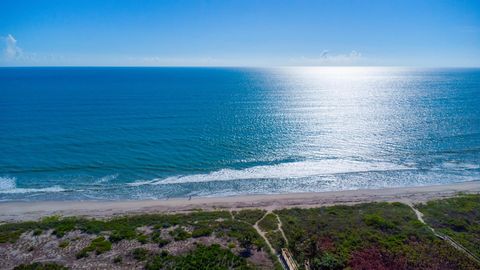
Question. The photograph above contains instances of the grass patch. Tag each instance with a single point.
(244, 233)
(143, 239)
(63, 244)
(180, 234)
(378, 222)
(123, 234)
(40, 266)
(140, 254)
(276, 239)
(268, 223)
(99, 245)
(203, 257)
(157, 238)
(118, 259)
(202, 231)
(250, 216)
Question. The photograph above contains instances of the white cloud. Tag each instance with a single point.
(12, 51)
(327, 58)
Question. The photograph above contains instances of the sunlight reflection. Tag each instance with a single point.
(348, 110)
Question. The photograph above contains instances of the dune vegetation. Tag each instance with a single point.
(362, 236)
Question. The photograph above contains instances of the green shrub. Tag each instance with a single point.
(268, 223)
(251, 216)
(246, 235)
(180, 234)
(378, 222)
(204, 231)
(140, 254)
(328, 261)
(99, 245)
(276, 239)
(143, 239)
(9, 236)
(203, 257)
(118, 235)
(157, 238)
(40, 266)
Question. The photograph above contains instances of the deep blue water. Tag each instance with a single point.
(142, 133)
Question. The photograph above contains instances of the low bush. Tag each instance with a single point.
(203, 257)
(180, 234)
(99, 245)
(250, 216)
(204, 231)
(40, 266)
(268, 223)
(118, 259)
(143, 239)
(140, 254)
(63, 244)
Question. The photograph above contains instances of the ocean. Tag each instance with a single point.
(101, 133)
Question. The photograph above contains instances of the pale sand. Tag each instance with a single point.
(17, 211)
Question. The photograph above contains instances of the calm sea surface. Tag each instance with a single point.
(144, 133)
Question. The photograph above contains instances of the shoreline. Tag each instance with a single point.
(23, 211)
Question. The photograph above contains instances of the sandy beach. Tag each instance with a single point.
(20, 211)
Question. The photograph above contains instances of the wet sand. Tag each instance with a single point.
(20, 211)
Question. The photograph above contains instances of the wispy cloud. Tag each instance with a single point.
(13, 55)
(11, 51)
(326, 58)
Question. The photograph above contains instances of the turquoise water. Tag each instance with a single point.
(143, 133)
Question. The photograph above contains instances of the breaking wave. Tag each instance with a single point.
(289, 170)
(8, 185)
(106, 179)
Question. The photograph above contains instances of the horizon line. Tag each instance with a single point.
(232, 66)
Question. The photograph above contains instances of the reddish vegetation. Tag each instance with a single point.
(374, 258)
(325, 244)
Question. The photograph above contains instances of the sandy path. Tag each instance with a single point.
(280, 228)
(446, 238)
(263, 234)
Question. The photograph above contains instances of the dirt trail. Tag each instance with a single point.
(446, 238)
(262, 234)
(280, 228)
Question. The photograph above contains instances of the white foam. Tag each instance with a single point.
(460, 165)
(7, 183)
(106, 178)
(33, 190)
(290, 170)
(8, 186)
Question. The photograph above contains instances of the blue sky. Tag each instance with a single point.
(240, 33)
